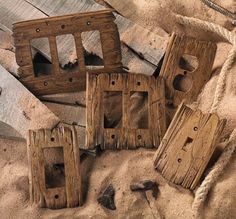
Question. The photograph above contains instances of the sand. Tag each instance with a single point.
(121, 168)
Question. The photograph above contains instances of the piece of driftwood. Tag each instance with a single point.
(187, 146)
(186, 68)
(59, 81)
(75, 115)
(7, 132)
(54, 183)
(124, 135)
(20, 109)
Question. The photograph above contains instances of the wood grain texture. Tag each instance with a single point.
(151, 54)
(192, 79)
(58, 197)
(124, 137)
(20, 109)
(187, 146)
(76, 24)
(68, 114)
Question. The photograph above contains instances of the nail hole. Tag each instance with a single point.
(63, 26)
(195, 128)
(179, 160)
(138, 83)
(112, 136)
(4, 149)
(52, 139)
(70, 79)
(185, 72)
(56, 196)
(113, 82)
(37, 30)
(139, 137)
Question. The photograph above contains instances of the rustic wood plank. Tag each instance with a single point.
(125, 135)
(20, 109)
(75, 98)
(187, 146)
(59, 81)
(69, 114)
(186, 68)
(7, 132)
(70, 194)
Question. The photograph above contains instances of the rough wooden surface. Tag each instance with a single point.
(183, 80)
(187, 146)
(125, 27)
(59, 81)
(69, 195)
(8, 132)
(124, 137)
(20, 109)
(138, 54)
(68, 114)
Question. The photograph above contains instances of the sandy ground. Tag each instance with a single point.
(121, 168)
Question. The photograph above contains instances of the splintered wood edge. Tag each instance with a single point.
(62, 17)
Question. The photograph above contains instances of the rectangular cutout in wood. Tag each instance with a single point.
(187, 146)
(141, 95)
(41, 67)
(54, 164)
(69, 27)
(93, 59)
(186, 70)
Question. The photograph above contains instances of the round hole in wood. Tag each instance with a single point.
(113, 136)
(179, 160)
(4, 149)
(113, 82)
(188, 62)
(182, 83)
(56, 196)
(37, 30)
(52, 139)
(63, 26)
(138, 83)
(70, 79)
(195, 128)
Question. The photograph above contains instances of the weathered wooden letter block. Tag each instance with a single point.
(122, 87)
(59, 81)
(187, 146)
(54, 161)
(186, 68)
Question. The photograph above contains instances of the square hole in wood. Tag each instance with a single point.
(112, 105)
(138, 110)
(68, 61)
(93, 57)
(41, 63)
(54, 167)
